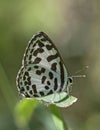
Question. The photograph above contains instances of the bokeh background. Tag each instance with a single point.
(74, 27)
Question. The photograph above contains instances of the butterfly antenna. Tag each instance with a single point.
(86, 67)
(80, 76)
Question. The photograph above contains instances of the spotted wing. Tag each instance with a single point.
(36, 81)
(41, 52)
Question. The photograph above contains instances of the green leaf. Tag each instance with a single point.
(58, 122)
(57, 113)
(24, 110)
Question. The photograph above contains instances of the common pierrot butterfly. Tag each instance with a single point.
(43, 71)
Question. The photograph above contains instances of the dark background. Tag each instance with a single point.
(74, 27)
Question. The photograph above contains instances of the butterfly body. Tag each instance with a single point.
(43, 71)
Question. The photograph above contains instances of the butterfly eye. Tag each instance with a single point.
(70, 81)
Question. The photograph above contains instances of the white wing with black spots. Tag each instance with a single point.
(42, 51)
(36, 81)
(42, 72)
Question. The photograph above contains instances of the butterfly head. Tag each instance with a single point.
(69, 81)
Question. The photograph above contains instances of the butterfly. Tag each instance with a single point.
(43, 71)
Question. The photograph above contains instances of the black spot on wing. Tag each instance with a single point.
(50, 92)
(47, 87)
(37, 60)
(51, 75)
(27, 95)
(45, 37)
(49, 47)
(43, 70)
(36, 67)
(30, 57)
(52, 57)
(48, 83)
(61, 75)
(34, 88)
(40, 34)
(29, 69)
(26, 73)
(43, 79)
(35, 95)
(27, 87)
(39, 72)
(55, 84)
(53, 67)
(34, 45)
(24, 77)
(31, 50)
(40, 44)
(29, 83)
(22, 89)
(29, 78)
(41, 93)
(31, 92)
(25, 83)
(37, 51)
(34, 38)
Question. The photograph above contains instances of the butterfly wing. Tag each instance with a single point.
(41, 52)
(36, 81)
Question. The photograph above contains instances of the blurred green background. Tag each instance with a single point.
(74, 27)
